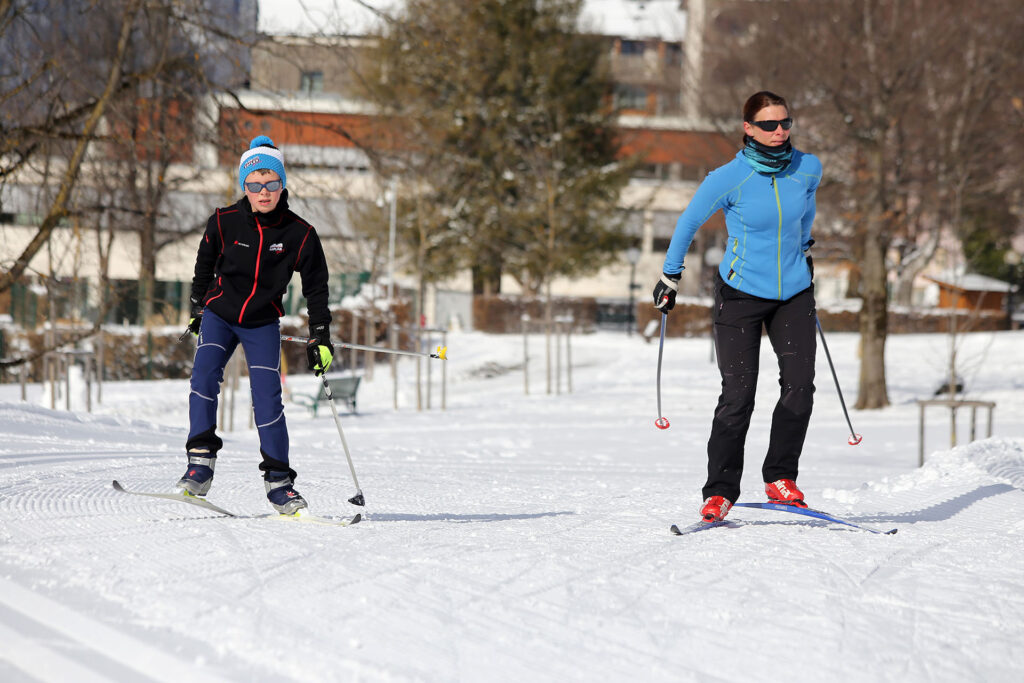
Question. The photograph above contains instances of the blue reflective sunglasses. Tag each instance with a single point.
(272, 186)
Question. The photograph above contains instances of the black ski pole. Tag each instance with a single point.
(854, 437)
(357, 499)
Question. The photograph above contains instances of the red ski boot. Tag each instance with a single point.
(715, 509)
(784, 491)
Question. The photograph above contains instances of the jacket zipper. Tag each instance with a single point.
(778, 255)
(256, 276)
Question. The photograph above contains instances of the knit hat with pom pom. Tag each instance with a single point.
(261, 154)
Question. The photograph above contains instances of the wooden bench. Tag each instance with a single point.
(343, 389)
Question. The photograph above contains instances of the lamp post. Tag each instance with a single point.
(633, 256)
(391, 198)
(1015, 273)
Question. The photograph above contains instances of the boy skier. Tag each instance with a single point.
(245, 261)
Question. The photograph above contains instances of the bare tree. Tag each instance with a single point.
(93, 110)
(128, 75)
(904, 101)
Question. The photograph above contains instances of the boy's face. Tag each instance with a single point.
(263, 201)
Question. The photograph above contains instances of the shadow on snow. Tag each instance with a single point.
(448, 517)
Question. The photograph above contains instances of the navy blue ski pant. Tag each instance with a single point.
(217, 341)
(738, 320)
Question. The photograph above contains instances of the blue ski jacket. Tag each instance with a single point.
(768, 217)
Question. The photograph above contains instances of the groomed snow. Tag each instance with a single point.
(514, 538)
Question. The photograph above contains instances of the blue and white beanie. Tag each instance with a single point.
(261, 154)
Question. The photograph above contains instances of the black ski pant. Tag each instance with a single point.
(738, 320)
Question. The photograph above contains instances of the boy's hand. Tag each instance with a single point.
(319, 350)
(194, 322)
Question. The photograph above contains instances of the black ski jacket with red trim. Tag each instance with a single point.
(246, 260)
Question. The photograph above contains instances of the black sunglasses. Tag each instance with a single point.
(272, 186)
(770, 126)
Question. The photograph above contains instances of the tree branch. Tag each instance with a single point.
(59, 207)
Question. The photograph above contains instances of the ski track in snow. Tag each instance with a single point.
(519, 538)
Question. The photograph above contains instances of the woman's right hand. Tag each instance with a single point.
(665, 292)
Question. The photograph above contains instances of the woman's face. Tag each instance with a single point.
(774, 138)
(263, 200)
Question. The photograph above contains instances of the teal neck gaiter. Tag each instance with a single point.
(765, 159)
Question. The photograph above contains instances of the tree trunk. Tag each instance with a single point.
(873, 317)
(147, 268)
(59, 208)
(486, 279)
(547, 334)
(421, 295)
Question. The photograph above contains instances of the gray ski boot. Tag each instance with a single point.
(282, 494)
(199, 476)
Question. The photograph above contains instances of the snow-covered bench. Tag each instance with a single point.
(343, 389)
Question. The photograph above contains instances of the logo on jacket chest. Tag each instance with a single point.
(276, 248)
(242, 244)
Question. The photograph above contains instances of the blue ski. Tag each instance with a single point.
(697, 526)
(809, 512)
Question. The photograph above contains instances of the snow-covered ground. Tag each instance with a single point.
(514, 538)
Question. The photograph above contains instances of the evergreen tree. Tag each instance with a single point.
(507, 135)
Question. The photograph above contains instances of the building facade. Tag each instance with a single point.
(300, 92)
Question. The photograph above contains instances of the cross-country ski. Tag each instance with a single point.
(698, 526)
(810, 512)
(778, 507)
(176, 497)
(303, 515)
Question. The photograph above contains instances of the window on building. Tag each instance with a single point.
(673, 54)
(669, 102)
(312, 81)
(690, 172)
(647, 172)
(631, 222)
(630, 97)
(631, 47)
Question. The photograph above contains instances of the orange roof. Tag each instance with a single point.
(691, 148)
(305, 128)
(658, 146)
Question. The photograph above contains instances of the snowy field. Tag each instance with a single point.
(522, 538)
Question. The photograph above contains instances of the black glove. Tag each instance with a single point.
(665, 292)
(319, 349)
(807, 255)
(195, 321)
